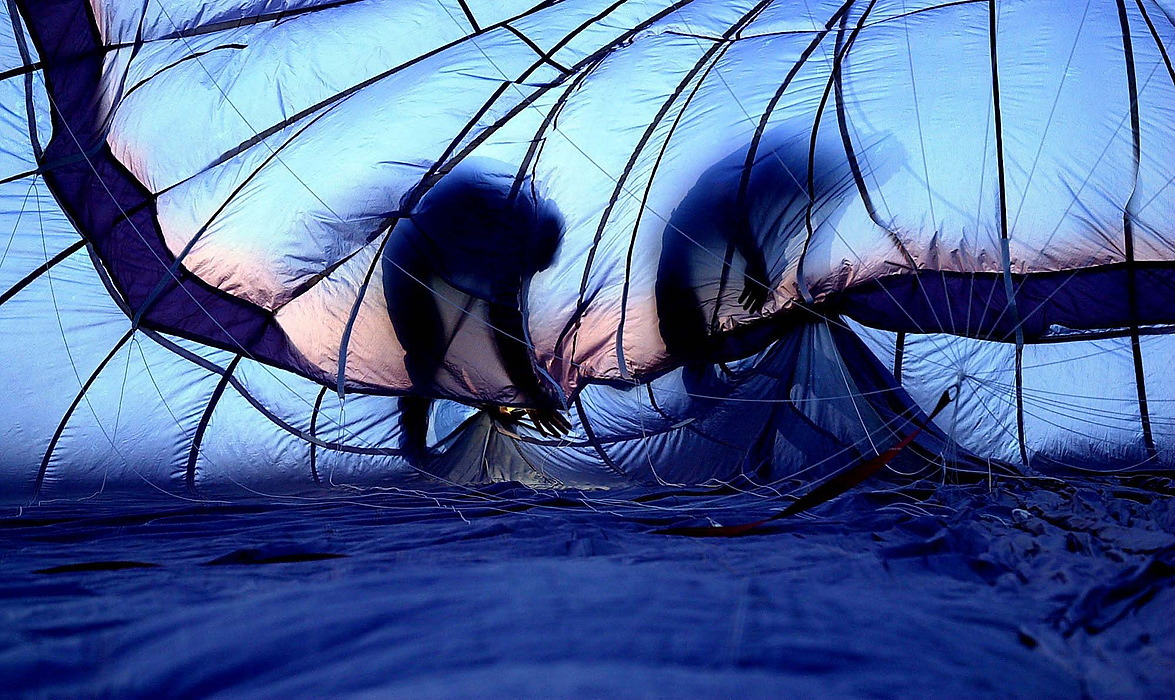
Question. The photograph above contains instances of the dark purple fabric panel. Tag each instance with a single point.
(112, 209)
(975, 305)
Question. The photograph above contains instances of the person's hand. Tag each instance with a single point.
(549, 421)
(755, 288)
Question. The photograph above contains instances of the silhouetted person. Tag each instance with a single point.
(739, 222)
(696, 262)
(688, 271)
(485, 234)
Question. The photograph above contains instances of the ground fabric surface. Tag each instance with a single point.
(1041, 591)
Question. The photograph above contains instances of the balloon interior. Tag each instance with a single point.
(257, 247)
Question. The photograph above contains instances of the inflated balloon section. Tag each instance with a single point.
(741, 244)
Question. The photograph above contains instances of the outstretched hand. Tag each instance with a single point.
(549, 421)
(755, 289)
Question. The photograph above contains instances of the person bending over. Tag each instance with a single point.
(485, 232)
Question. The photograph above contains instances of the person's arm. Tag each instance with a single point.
(509, 336)
(756, 286)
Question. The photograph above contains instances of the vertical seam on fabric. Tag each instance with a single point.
(1005, 250)
(1020, 405)
(198, 438)
(838, 61)
(1128, 231)
(855, 167)
(73, 407)
(899, 355)
(594, 441)
(25, 59)
(469, 16)
(761, 128)
(313, 433)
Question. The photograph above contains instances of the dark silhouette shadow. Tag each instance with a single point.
(485, 233)
(727, 243)
(690, 273)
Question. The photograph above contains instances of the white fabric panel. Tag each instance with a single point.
(924, 135)
(1158, 356)
(983, 417)
(56, 332)
(33, 231)
(1049, 230)
(135, 427)
(242, 451)
(246, 90)
(1081, 403)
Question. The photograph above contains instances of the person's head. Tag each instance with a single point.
(485, 197)
(545, 224)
